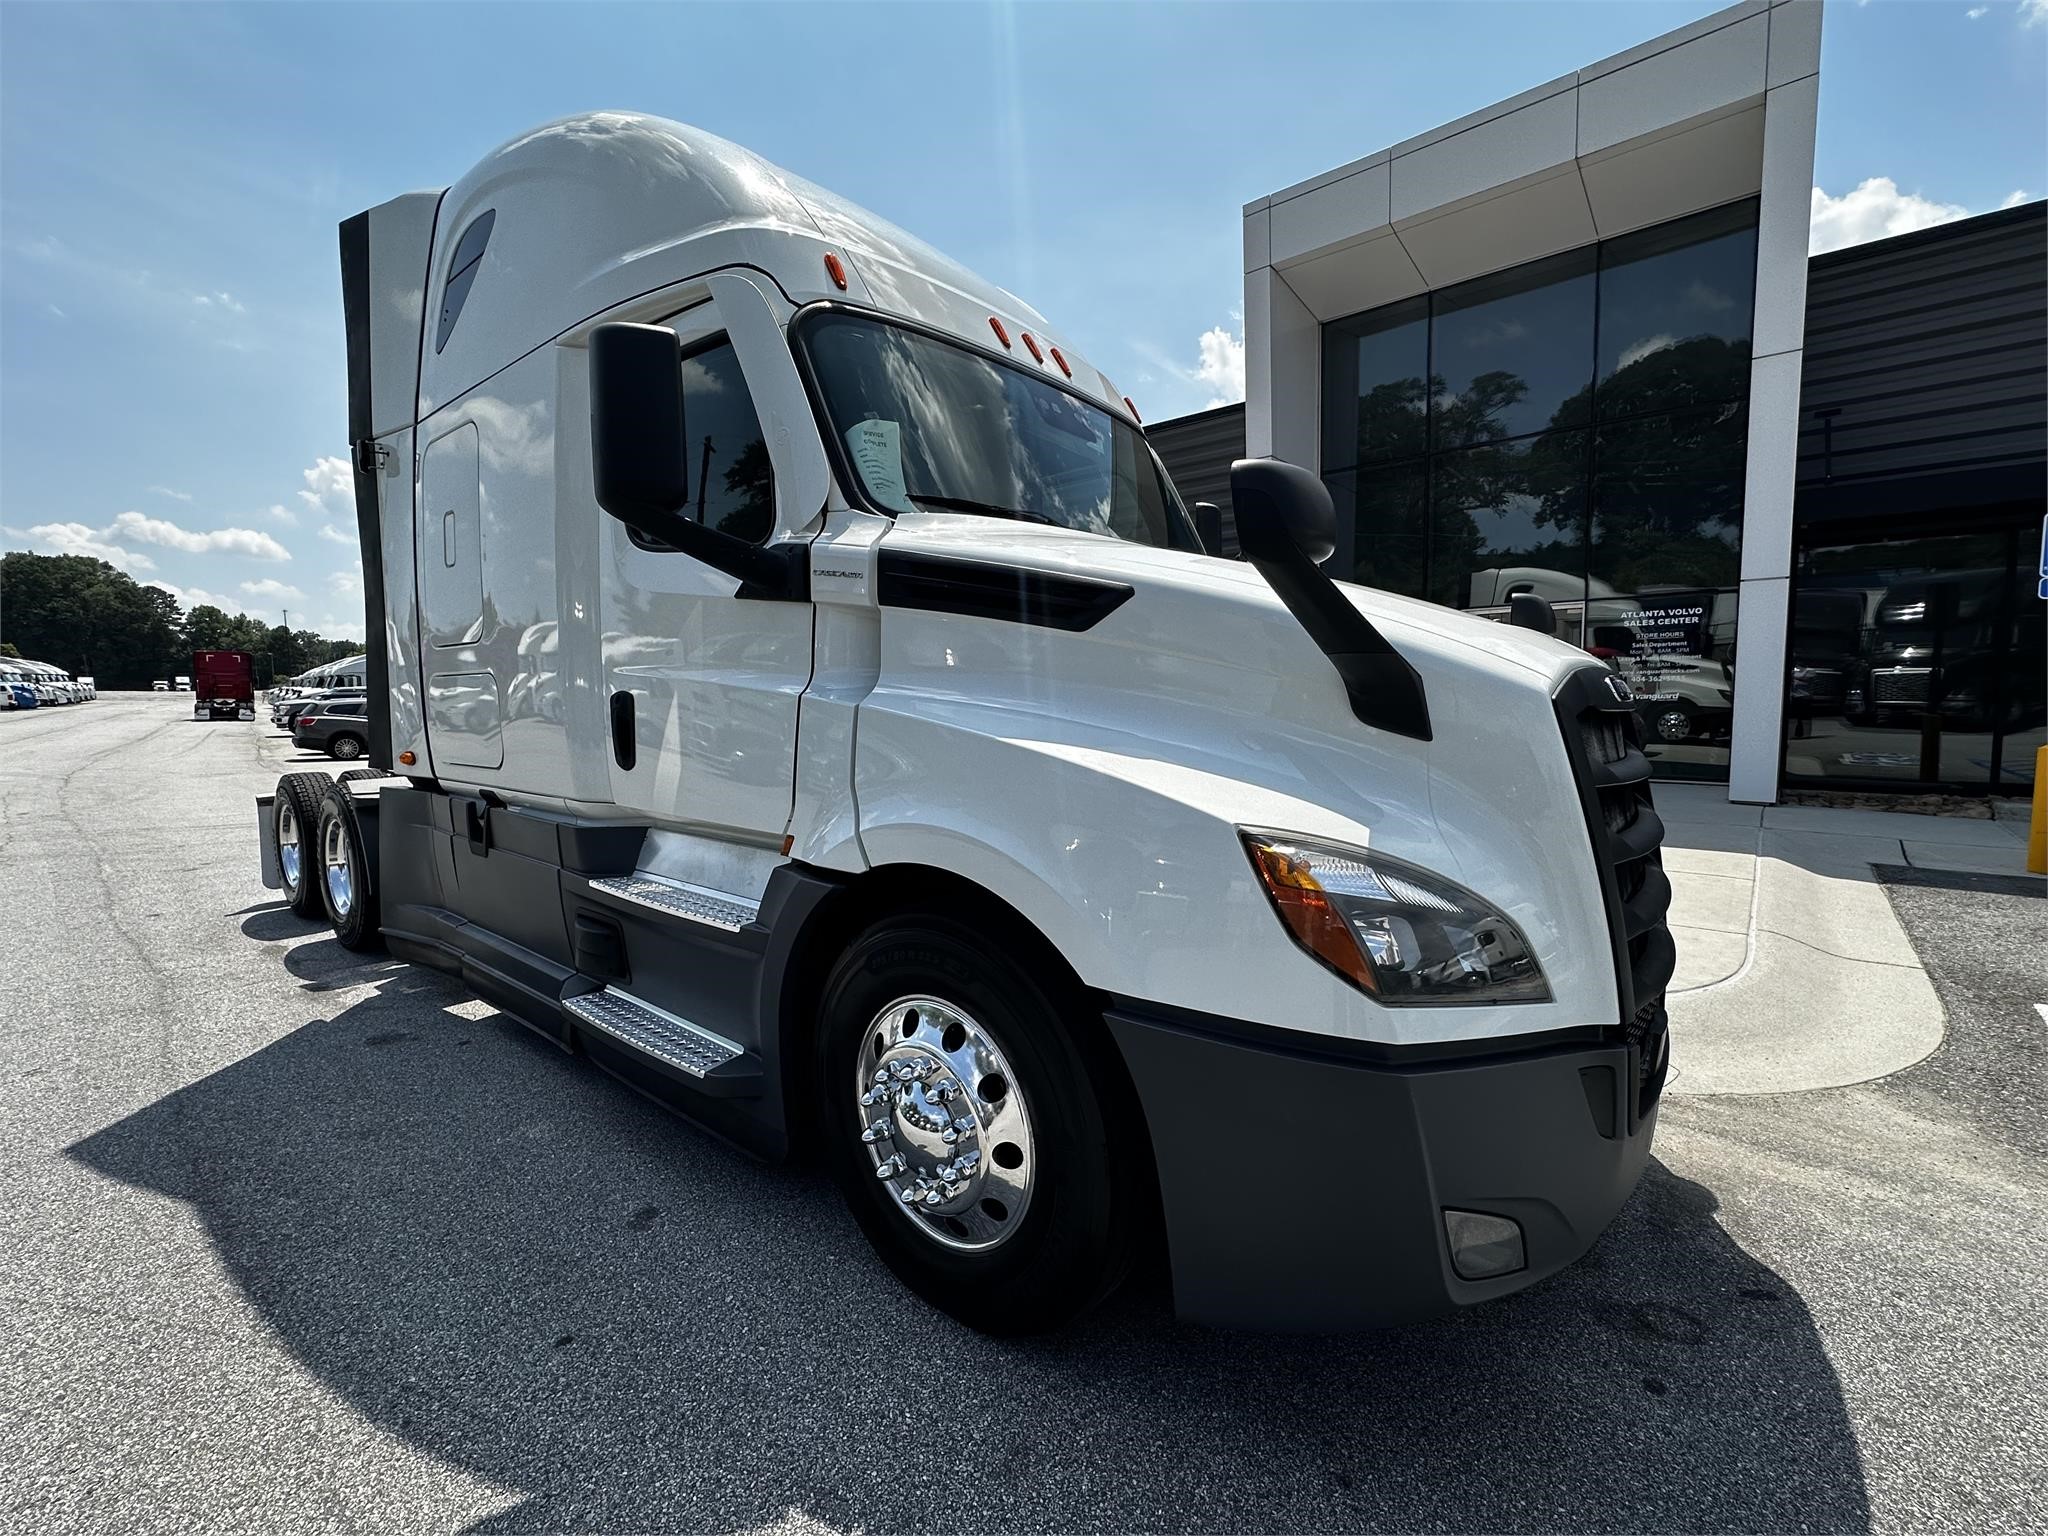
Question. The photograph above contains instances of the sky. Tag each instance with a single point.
(172, 376)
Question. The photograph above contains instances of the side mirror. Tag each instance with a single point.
(636, 422)
(1287, 527)
(640, 467)
(1209, 527)
(1282, 507)
(1528, 611)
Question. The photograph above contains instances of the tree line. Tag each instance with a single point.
(83, 615)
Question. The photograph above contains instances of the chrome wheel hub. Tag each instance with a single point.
(341, 885)
(944, 1123)
(288, 855)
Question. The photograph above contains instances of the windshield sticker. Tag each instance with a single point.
(877, 449)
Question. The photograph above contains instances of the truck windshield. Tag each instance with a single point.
(930, 425)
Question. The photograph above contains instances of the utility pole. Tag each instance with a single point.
(287, 620)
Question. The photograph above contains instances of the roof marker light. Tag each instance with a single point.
(997, 326)
(1032, 347)
(1133, 410)
(837, 270)
(1062, 362)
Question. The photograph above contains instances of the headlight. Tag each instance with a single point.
(1400, 933)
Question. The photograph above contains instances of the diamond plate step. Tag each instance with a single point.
(685, 901)
(654, 1032)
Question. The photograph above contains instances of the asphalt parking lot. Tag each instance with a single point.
(299, 1240)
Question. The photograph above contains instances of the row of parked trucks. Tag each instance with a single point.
(795, 687)
(32, 684)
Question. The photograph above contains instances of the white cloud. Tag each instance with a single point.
(284, 515)
(165, 490)
(159, 530)
(197, 597)
(2014, 198)
(1221, 366)
(1978, 12)
(77, 539)
(2034, 13)
(341, 629)
(346, 583)
(1649, 346)
(334, 535)
(1875, 209)
(330, 487)
(270, 586)
(225, 302)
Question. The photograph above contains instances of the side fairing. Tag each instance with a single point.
(1097, 781)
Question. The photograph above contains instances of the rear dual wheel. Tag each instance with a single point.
(347, 890)
(294, 812)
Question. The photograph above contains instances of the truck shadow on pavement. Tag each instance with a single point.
(504, 1258)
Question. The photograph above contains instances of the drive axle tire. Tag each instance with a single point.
(348, 890)
(979, 1126)
(293, 814)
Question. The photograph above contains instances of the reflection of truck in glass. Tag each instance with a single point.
(223, 685)
(1682, 696)
(804, 695)
(1939, 644)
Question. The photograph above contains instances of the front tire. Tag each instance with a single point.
(1030, 1214)
(293, 814)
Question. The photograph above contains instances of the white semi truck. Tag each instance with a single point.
(796, 687)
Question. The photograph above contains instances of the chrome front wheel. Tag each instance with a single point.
(945, 1123)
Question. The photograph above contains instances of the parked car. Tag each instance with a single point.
(339, 727)
(161, 685)
(287, 715)
(18, 692)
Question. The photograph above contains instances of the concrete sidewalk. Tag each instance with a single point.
(1793, 971)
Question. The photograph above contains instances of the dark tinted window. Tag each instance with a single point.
(1675, 306)
(1667, 500)
(1375, 399)
(731, 486)
(1514, 510)
(1382, 524)
(462, 270)
(1513, 353)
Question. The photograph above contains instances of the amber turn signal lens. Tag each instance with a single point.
(1317, 926)
(836, 271)
(407, 758)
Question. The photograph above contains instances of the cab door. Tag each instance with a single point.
(702, 685)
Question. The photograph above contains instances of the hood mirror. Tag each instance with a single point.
(1287, 527)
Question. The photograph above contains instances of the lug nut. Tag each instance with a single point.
(876, 1131)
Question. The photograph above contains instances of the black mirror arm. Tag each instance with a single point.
(773, 571)
(1385, 690)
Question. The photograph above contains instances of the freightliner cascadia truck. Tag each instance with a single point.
(797, 689)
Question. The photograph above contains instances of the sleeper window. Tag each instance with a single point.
(462, 270)
(730, 485)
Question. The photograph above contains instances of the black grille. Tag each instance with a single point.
(1604, 739)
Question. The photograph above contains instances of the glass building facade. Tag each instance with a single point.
(1572, 427)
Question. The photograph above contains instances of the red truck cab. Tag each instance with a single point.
(223, 685)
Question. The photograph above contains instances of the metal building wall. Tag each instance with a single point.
(1197, 452)
(1929, 352)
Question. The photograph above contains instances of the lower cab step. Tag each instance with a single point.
(690, 1054)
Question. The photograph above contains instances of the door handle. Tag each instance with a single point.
(625, 734)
